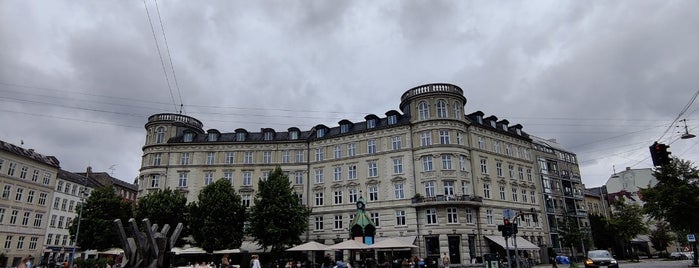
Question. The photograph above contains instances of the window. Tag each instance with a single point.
(469, 215)
(230, 158)
(23, 172)
(188, 137)
(184, 158)
(446, 162)
(246, 199)
(11, 170)
(344, 128)
(156, 159)
(337, 173)
(396, 143)
(210, 158)
(371, 146)
(49, 239)
(298, 177)
(371, 123)
(267, 157)
(351, 149)
(489, 216)
(1, 162)
(320, 132)
(247, 157)
(514, 195)
(511, 171)
(496, 146)
(319, 175)
(338, 222)
(60, 221)
(293, 135)
(30, 196)
(160, 135)
(373, 193)
(429, 188)
(42, 198)
(423, 110)
(444, 137)
(65, 240)
(247, 178)
(484, 166)
(498, 168)
(464, 187)
(427, 163)
(529, 174)
(71, 205)
(208, 178)
(18, 194)
(397, 165)
(398, 190)
(524, 196)
(352, 172)
(35, 176)
(319, 198)
(20, 242)
(32, 243)
(337, 152)
(372, 169)
(400, 217)
(228, 176)
(240, 136)
(319, 154)
(2, 215)
(8, 242)
(508, 150)
(337, 197)
(47, 178)
(38, 218)
(425, 138)
(520, 170)
(502, 192)
(213, 136)
(392, 119)
(532, 197)
(457, 110)
(56, 202)
(449, 188)
(459, 138)
(452, 215)
(481, 143)
(299, 156)
(269, 136)
(182, 182)
(319, 223)
(441, 109)
(375, 218)
(352, 193)
(486, 190)
(431, 215)
(154, 181)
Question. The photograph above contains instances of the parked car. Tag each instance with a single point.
(681, 255)
(600, 258)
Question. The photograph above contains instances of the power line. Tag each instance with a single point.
(167, 48)
(162, 63)
(689, 104)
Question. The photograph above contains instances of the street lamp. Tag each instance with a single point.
(77, 230)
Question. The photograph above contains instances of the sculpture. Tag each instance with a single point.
(146, 249)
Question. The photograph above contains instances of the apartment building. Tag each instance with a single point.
(27, 179)
(429, 173)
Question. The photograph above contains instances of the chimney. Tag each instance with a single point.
(89, 170)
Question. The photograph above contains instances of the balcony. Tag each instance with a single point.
(447, 200)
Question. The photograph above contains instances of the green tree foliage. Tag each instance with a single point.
(570, 233)
(98, 214)
(278, 218)
(163, 207)
(661, 237)
(627, 222)
(675, 197)
(602, 232)
(216, 220)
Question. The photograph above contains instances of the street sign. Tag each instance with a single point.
(691, 238)
(508, 213)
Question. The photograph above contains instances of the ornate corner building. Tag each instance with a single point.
(430, 173)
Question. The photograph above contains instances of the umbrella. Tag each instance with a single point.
(227, 251)
(349, 244)
(188, 251)
(310, 246)
(391, 243)
(112, 251)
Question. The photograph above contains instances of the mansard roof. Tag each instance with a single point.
(511, 130)
(29, 153)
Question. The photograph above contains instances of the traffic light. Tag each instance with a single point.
(535, 216)
(506, 228)
(659, 154)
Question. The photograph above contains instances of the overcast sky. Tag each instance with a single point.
(78, 79)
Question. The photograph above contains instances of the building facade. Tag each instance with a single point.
(27, 179)
(429, 173)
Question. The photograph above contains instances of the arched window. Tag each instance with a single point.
(423, 110)
(160, 135)
(457, 110)
(441, 109)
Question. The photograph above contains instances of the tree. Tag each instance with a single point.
(601, 232)
(216, 220)
(98, 214)
(570, 233)
(661, 236)
(675, 197)
(627, 222)
(278, 218)
(163, 207)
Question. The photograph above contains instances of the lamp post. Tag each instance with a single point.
(77, 230)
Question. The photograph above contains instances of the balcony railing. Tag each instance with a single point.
(448, 199)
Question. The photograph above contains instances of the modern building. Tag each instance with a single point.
(429, 173)
(27, 179)
(562, 189)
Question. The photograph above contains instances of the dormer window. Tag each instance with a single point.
(268, 136)
(320, 132)
(213, 136)
(240, 136)
(188, 136)
(371, 123)
(504, 127)
(294, 135)
(392, 119)
(519, 131)
(493, 124)
(479, 119)
(344, 128)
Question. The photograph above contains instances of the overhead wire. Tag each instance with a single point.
(169, 56)
(162, 63)
(689, 104)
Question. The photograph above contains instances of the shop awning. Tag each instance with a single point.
(521, 242)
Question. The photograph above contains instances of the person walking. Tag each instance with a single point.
(445, 260)
(256, 262)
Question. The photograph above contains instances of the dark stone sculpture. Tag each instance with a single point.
(146, 249)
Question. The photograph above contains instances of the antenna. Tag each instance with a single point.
(686, 134)
(112, 168)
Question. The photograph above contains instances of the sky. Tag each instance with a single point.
(78, 79)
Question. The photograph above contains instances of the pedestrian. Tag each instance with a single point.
(256, 262)
(225, 263)
(445, 260)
